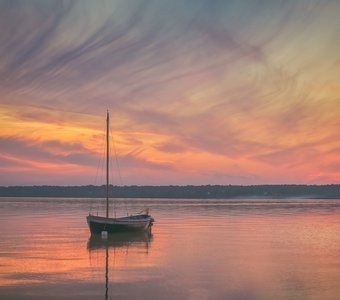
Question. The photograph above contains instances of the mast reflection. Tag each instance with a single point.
(118, 241)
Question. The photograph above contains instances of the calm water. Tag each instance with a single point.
(199, 249)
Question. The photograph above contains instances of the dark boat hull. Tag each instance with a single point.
(113, 225)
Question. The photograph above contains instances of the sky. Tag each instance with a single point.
(199, 92)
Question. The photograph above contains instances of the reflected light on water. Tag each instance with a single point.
(199, 249)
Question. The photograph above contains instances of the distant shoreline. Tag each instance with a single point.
(331, 191)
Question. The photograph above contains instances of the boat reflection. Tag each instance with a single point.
(120, 240)
(127, 240)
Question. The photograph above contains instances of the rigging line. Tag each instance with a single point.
(116, 159)
(118, 169)
(100, 158)
(112, 177)
(102, 162)
(103, 180)
(112, 143)
(98, 166)
(101, 166)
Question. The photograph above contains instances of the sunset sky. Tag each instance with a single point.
(199, 92)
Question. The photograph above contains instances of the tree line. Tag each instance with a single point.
(187, 192)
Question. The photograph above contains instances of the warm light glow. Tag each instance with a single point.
(240, 96)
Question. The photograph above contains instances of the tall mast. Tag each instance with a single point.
(107, 162)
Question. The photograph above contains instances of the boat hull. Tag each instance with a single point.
(113, 225)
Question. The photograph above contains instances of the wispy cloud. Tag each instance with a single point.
(236, 83)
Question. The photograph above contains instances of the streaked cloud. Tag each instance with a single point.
(196, 89)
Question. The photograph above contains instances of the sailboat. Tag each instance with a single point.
(98, 224)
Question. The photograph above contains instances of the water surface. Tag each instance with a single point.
(199, 249)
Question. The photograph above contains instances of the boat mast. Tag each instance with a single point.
(107, 163)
